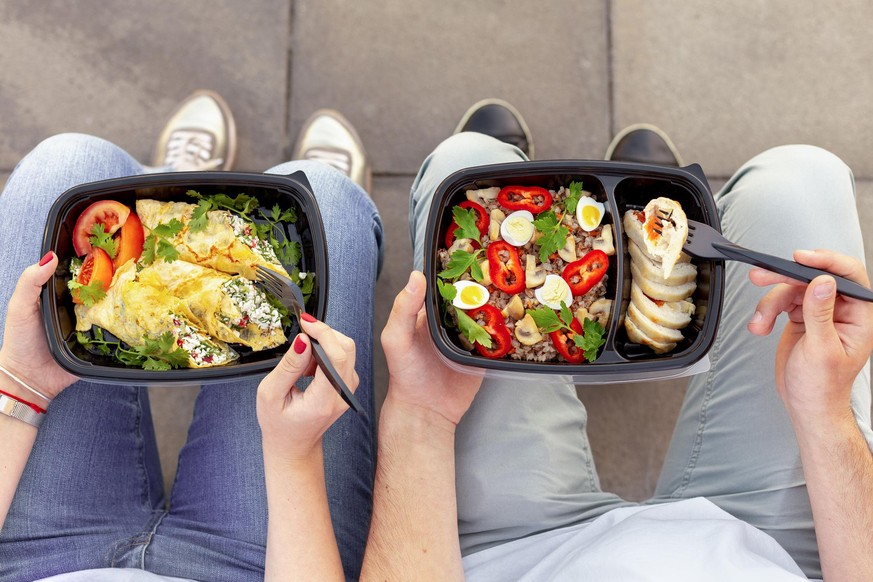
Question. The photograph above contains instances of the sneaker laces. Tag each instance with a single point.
(191, 150)
(336, 158)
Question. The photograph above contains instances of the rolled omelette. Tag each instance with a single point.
(132, 310)
(227, 244)
(229, 308)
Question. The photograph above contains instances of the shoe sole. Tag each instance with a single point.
(515, 112)
(230, 158)
(368, 171)
(654, 129)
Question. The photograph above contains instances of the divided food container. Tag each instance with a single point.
(623, 186)
(292, 191)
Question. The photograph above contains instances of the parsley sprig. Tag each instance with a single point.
(572, 199)
(472, 330)
(554, 234)
(155, 354)
(460, 261)
(589, 341)
(88, 294)
(102, 239)
(157, 245)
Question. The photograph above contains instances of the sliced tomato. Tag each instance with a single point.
(492, 320)
(97, 267)
(482, 221)
(130, 241)
(111, 214)
(504, 267)
(531, 198)
(563, 341)
(587, 272)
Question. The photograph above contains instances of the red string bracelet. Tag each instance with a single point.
(38, 409)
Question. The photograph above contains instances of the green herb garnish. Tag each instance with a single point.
(466, 221)
(447, 291)
(572, 199)
(459, 262)
(88, 294)
(101, 239)
(474, 332)
(554, 234)
(589, 341)
(155, 354)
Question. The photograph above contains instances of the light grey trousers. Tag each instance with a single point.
(524, 464)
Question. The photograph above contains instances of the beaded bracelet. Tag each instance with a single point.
(36, 408)
(25, 384)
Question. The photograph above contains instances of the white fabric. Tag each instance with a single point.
(112, 575)
(688, 540)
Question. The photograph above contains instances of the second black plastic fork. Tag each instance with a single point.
(704, 242)
(291, 296)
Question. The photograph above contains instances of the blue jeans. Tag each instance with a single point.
(92, 493)
(524, 464)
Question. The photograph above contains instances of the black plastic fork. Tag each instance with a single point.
(704, 242)
(291, 296)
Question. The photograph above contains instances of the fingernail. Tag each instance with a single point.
(308, 318)
(299, 345)
(757, 318)
(46, 259)
(412, 284)
(824, 290)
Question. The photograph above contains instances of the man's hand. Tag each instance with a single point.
(827, 339)
(25, 352)
(417, 376)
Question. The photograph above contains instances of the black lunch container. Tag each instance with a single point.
(59, 319)
(623, 186)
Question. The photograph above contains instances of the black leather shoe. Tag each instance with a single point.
(644, 144)
(500, 120)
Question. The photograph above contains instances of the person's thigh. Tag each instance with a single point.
(733, 442)
(523, 461)
(93, 481)
(217, 525)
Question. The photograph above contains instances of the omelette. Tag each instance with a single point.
(227, 244)
(229, 308)
(132, 310)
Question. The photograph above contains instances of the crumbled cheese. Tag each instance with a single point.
(198, 346)
(252, 305)
(247, 235)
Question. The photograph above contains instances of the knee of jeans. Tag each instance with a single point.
(811, 170)
(63, 143)
(467, 143)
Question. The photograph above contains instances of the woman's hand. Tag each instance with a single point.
(25, 352)
(293, 421)
(417, 376)
(828, 337)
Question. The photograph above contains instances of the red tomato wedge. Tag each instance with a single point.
(111, 214)
(130, 241)
(97, 267)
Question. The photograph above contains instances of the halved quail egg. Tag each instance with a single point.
(517, 229)
(589, 213)
(470, 295)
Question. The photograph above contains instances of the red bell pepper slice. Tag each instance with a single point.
(490, 318)
(563, 341)
(531, 198)
(482, 221)
(587, 272)
(504, 267)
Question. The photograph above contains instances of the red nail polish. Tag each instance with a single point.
(299, 345)
(307, 317)
(46, 259)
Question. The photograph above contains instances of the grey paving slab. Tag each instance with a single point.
(729, 79)
(117, 71)
(405, 71)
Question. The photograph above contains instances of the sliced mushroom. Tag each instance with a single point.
(604, 241)
(497, 218)
(568, 253)
(581, 315)
(600, 310)
(537, 235)
(514, 309)
(526, 331)
(486, 272)
(461, 244)
(483, 195)
(534, 275)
